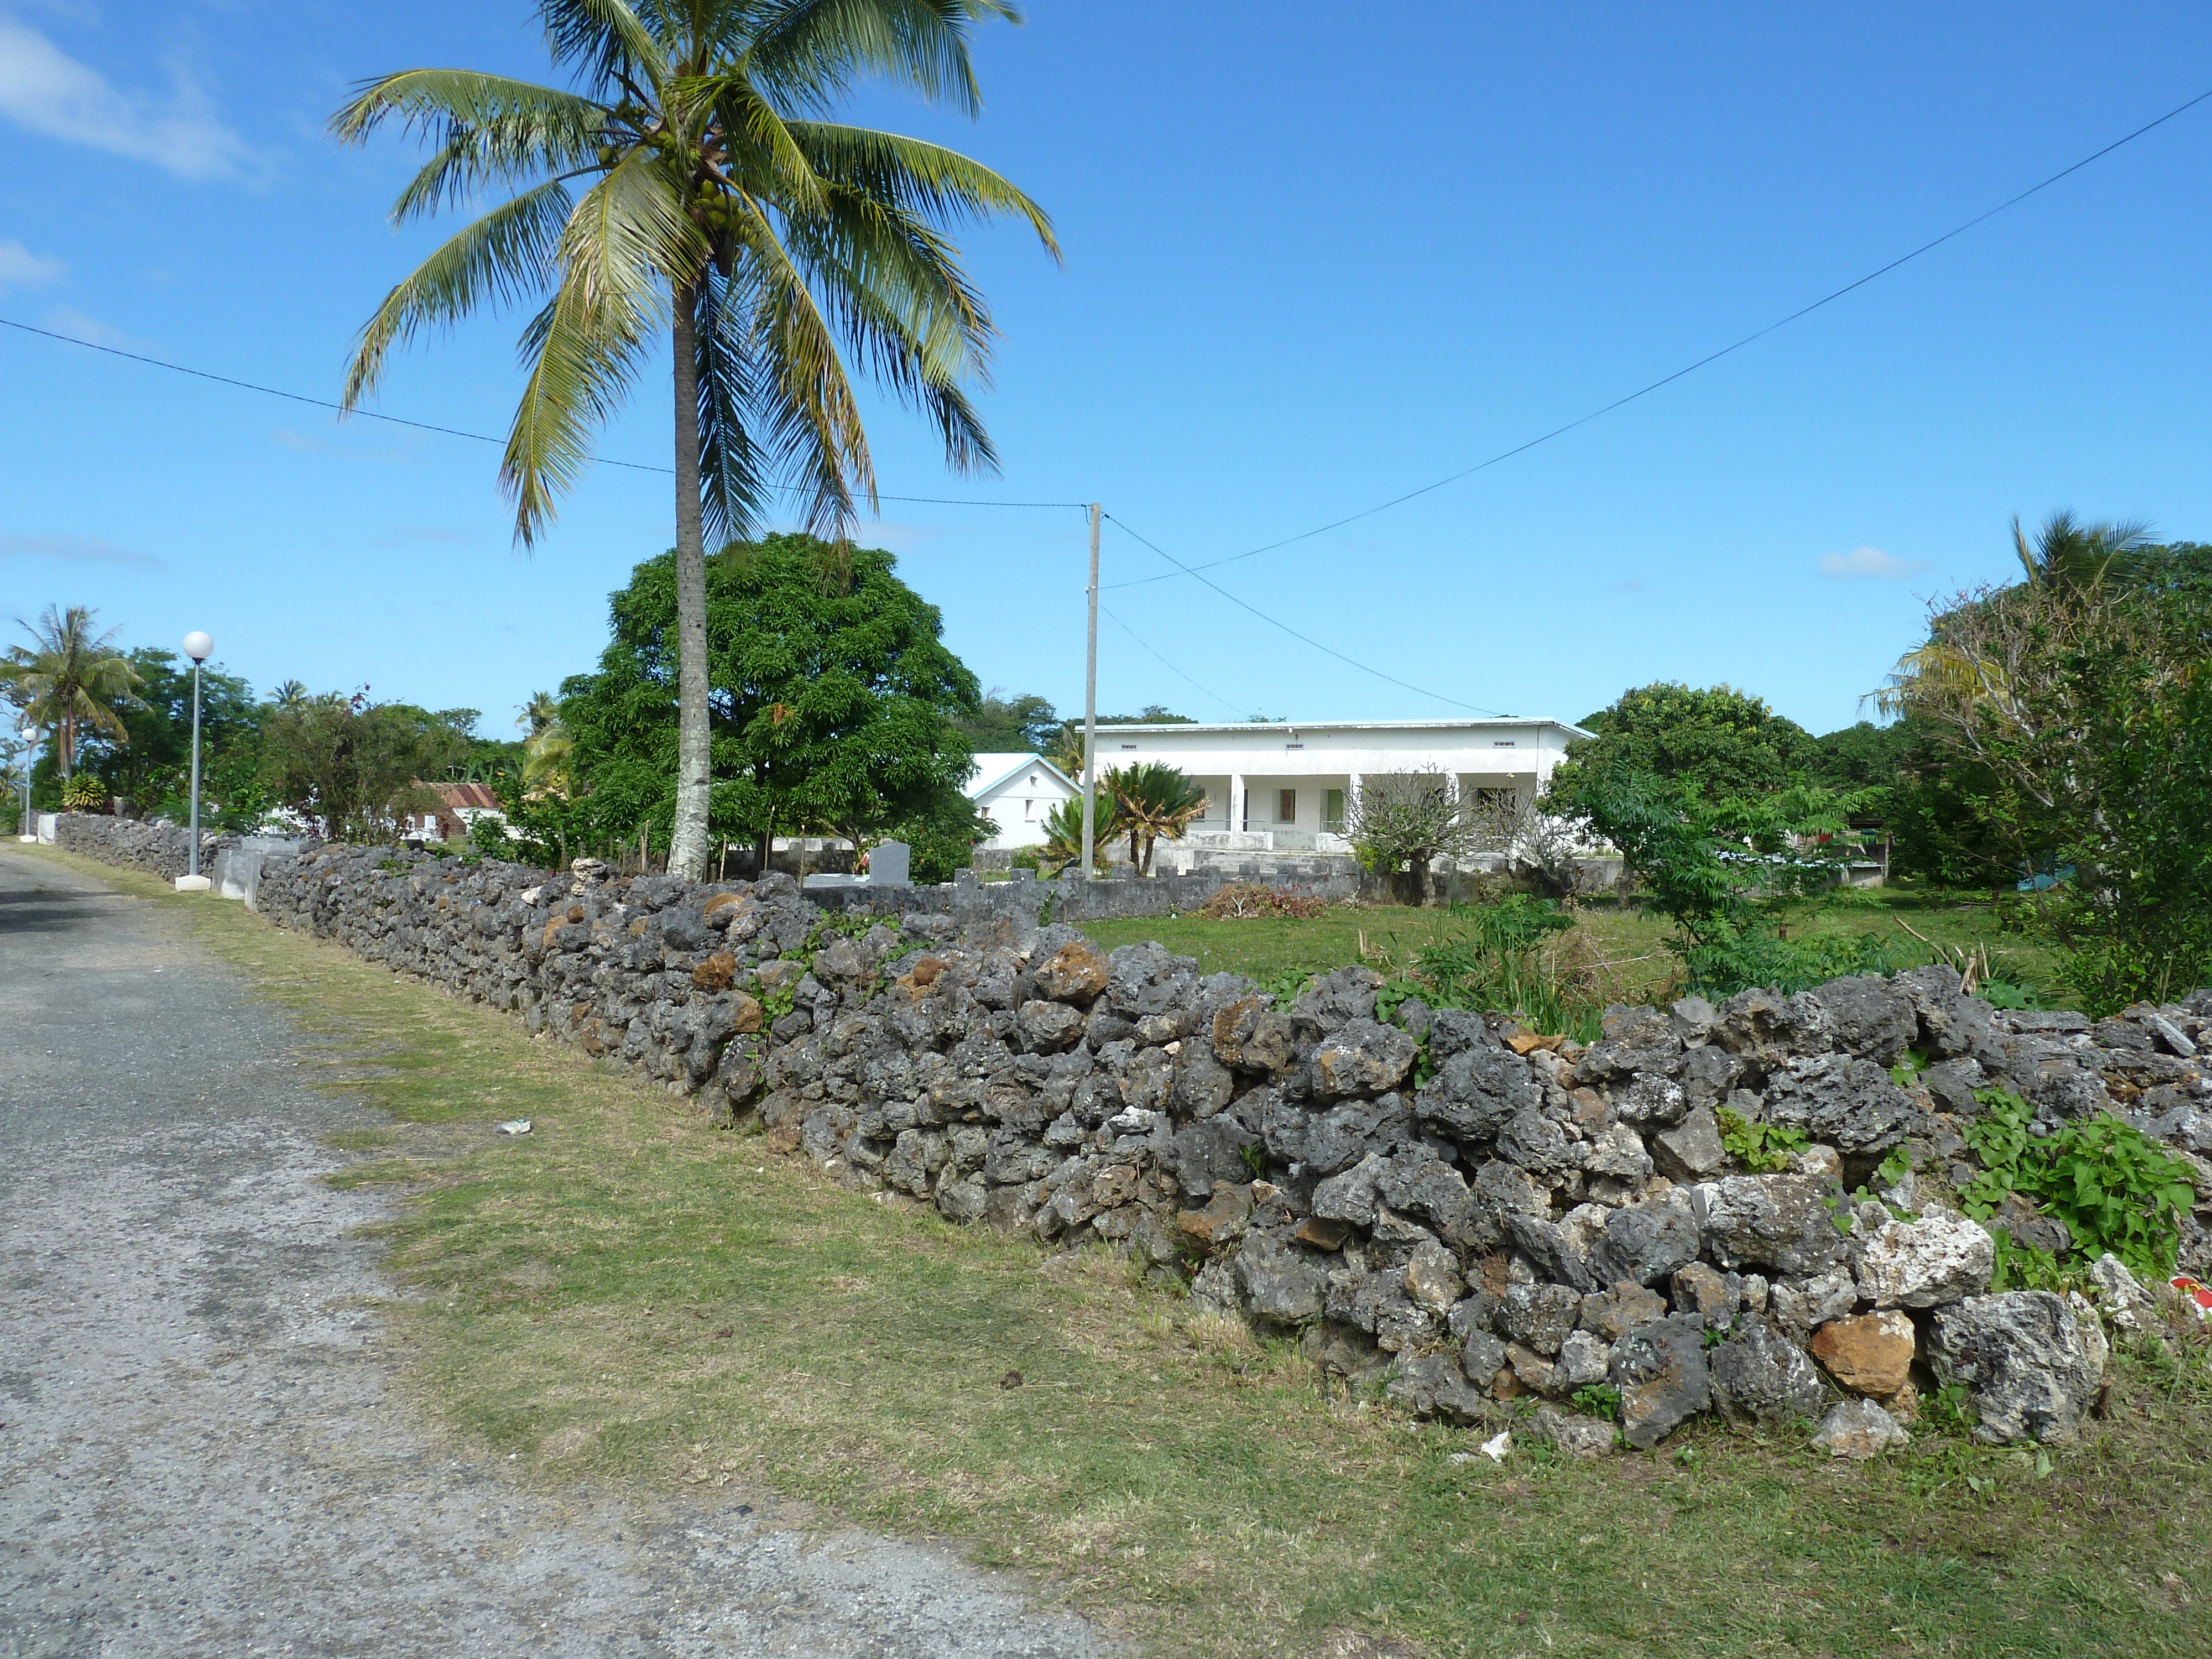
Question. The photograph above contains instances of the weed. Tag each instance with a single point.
(1762, 1148)
(1598, 1400)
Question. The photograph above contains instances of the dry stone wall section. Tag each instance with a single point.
(1482, 1220)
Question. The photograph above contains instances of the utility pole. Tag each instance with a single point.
(198, 646)
(1090, 714)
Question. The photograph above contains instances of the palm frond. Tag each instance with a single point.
(808, 51)
(924, 179)
(491, 129)
(503, 256)
(624, 244)
(608, 41)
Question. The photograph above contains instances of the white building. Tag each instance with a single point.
(1018, 791)
(1287, 788)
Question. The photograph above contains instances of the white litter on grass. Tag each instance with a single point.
(1498, 1445)
(515, 1125)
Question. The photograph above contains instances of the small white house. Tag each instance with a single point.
(1289, 788)
(1018, 791)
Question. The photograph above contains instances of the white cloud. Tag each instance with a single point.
(43, 89)
(22, 268)
(68, 319)
(1862, 561)
(75, 549)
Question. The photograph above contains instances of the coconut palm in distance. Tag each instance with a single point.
(690, 189)
(69, 683)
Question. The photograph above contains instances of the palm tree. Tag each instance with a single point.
(69, 683)
(290, 694)
(1152, 801)
(1063, 831)
(725, 215)
(2077, 557)
(546, 750)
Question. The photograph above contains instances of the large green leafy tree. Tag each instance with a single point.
(689, 191)
(151, 762)
(1720, 741)
(2083, 692)
(353, 768)
(835, 705)
(1025, 723)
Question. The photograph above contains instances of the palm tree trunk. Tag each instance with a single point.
(687, 850)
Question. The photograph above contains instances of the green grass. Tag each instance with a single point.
(1626, 947)
(628, 1296)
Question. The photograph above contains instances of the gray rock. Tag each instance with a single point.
(1360, 1057)
(1211, 1150)
(1645, 1242)
(1617, 1151)
(1432, 1278)
(1708, 1073)
(1575, 1435)
(2124, 1301)
(1692, 1151)
(1651, 1102)
(1334, 1000)
(1952, 1085)
(1350, 1196)
(1869, 1017)
(1694, 1020)
(1661, 1372)
(1924, 1263)
(1280, 1286)
(1538, 1144)
(1538, 1316)
(2031, 1366)
(1432, 1385)
(1610, 1315)
(1416, 1183)
(1048, 1027)
(1476, 1092)
(1841, 1102)
(1709, 1294)
(1482, 1357)
(1760, 1377)
(1767, 1030)
(1801, 1306)
(1555, 1252)
(1776, 1221)
(1859, 1429)
(2176, 1041)
(1583, 1359)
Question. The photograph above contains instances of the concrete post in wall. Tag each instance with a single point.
(1237, 801)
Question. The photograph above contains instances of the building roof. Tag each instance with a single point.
(467, 794)
(994, 769)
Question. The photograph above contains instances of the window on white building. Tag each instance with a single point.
(1286, 806)
(1332, 811)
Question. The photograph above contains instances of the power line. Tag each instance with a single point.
(1192, 571)
(1712, 357)
(1214, 696)
(426, 426)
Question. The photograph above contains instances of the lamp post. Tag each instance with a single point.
(30, 752)
(197, 646)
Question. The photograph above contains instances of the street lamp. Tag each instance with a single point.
(197, 646)
(30, 752)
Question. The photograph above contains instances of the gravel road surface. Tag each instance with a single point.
(201, 1451)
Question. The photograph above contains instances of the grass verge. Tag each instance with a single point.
(628, 1296)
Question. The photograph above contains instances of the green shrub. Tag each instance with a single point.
(2113, 1188)
(1761, 1148)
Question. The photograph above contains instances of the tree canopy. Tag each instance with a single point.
(836, 706)
(1718, 741)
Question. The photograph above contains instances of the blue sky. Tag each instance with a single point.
(1309, 266)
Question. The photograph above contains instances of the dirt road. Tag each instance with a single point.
(201, 1451)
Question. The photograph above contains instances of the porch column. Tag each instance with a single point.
(1236, 800)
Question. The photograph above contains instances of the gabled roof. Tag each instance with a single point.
(995, 770)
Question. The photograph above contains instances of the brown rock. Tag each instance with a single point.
(1223, 1217)
(744, 1016)
(1905, 1405)
(551, 928)
(1610, 1315)
(1076, 972)
(1869, 1354)
(716, 972)
(720, 902)
(1323, 1233)
(919, 978)
(1525, 1044)
(1537, 1374)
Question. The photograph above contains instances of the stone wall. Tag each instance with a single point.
(1070, 899)
(1485, 1222)
(162, 850)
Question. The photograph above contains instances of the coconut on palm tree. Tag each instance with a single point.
(689, 190)
(71, 683)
